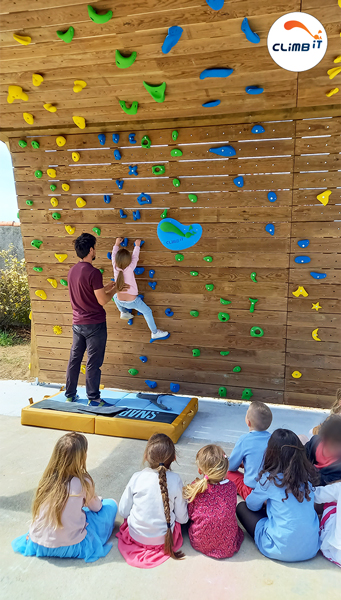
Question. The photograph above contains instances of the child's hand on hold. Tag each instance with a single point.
(118, 241)
(138, 243)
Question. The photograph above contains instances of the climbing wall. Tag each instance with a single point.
(250, 232)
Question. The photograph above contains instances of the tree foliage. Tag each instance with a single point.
(14, 291)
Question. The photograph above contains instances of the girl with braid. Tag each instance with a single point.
(153, 509)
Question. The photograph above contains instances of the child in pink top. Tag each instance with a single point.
(69, 520)
(124, 264)
(212, 502)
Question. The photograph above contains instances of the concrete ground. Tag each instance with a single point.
(248, 575)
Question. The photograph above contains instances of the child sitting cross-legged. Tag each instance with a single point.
(324, 450)
(249, 449)
(212, 502)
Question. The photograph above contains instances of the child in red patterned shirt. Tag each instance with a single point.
(212, 502)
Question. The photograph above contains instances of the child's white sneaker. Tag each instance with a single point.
(159, 335)
(126, 316)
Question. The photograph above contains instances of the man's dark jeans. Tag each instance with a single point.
(93, 339)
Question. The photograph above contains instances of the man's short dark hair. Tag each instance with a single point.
(83, 244)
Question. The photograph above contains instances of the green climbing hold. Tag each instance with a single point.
(18, 215)
(56, 216)
(194, 313)
(169, 227)
(36, 243)
(35, 144)
(123, 62)
(193, 197)
(96, 230)
(253, 302)
(22, 143)
(176, 152)
(209, 287)
(38, 269)
(38, 173)
(175, 134)
(224, 352)
(237, 369)
(96, 18)
(208, 258)
(176, 182)
(164, 214)
(29, 202)
(179, 257)
(158, 169)
(146, 142)
(223, 317)
(101, 270)
(253, 276)
(63, 282)
(194, 273)
(66, 36)
(129, 111)
(222, 301)
(256, 332)
(222, 392)
(247, 394)
(53, 187)
(157, 92)
(133, 372)
(196, 352)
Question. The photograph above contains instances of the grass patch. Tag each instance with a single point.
(14, 337)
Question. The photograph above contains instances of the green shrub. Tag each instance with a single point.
(14, 292)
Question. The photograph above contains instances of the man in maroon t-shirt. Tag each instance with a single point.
(88, 295)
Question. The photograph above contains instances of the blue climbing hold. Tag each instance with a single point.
(139, 314)
(215, 73)
(318, 275)
(122, 214)
(109, 255)
(169, 312)
(239, 181)
(173, 234)
(174, 387)
(144, 199)
(119, 183)
(272, 197)
(302, 260)
(132, 170)
(140, 296)
(132, 138)
(115, 138)
(158, 339)
(257, 129)
(139, 270)
(143, 359)
(171, 39)
(215, 4)
(151, 273)
(211, 103)
(254, 90)
(124, 244)
(151, 384)
(249, 34)
(141, 244)
(152, 284)
(107, 199)
(270, 228)
(136, 215)
(223, 151)
(130, 322)
(117, 154)
(303, 243)
(101, 138)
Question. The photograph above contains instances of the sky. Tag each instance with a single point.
(8, 198)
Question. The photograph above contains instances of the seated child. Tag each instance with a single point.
(69, 520)
(335, 410)
(324, 450)
(212, 502)
(250, 448)
(124, 264)
(330, 526)
(288, 528)
(153, 508)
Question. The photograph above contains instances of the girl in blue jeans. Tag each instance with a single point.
(124, 264)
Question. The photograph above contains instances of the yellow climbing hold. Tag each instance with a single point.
(65, 187)
(15, 92)
(61, 257)
(79, 85)
(53, 282)
(29, 366)
(338, 58)
(332, 92)
(75, 156)
(60, 141)
(314, 335)
(22, 39)
(28, 118)
(70, 230)
(57, 330)
(51, 172)
(296, 374)
(41, 294)
(324, 197)
(54, 202)
(30, 315)
(83, 369)
(316, 306)
(37, 79)
(300, 292)
(333, 72)
(79, 121)
(50, 107)
(80, 202)
(101, 386)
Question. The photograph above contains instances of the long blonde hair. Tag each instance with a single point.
(68, 460)
(214, 464)
(159, 454)
(335, 410)
(122, 261)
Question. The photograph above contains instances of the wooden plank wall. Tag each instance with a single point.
(297, 160)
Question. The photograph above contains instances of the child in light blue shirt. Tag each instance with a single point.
(250, 449)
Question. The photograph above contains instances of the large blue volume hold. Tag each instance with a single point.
(215, 4)
(257, 129)
(239, 181)
(302, 260)
(211, 103)
(215, 73)
(254, 90)
(171, 39)
(249, 34)
(318, 275)
(303, 243)
(223, 151)
(101, 138)
(144, 199)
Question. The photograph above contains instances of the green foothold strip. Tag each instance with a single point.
(176, 182)
(146, 142)
(158, 169)
(223, 317)
(56, 216)
(22, 143)
(164, 214)
(101, 270)
(38, 174)
(66, 36)
(256, 332)
(224, 352)
(208, 258)
(175, 134)
(209, 287)
(96, 230)
(253, 302)
(63, 282)
(123, 62)
(196, 352)
(129, 111)
(193, 198)
(178, 257)
(237, 369)
(247, 394)
(35, 144)
(176, 152)
(194, 313)
(194, 273)
(38, 269)
(96, 18)
(253, 276)
(29, 202)
(222, 301)
(36, 243)
(157, 92)
(222, 392)
(53, 187)
(133, 372)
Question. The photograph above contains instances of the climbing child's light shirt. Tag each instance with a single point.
(128, 272)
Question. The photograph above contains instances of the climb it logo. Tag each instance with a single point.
(297, 42)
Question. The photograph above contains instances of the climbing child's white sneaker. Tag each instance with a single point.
(159, 335)
(126, 316)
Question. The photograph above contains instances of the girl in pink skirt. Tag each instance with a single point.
(153, 508)
(212, 502)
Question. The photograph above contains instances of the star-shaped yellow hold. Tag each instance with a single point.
(57, 330)
(316, 306)
(300, 292)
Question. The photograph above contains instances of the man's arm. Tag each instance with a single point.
(105, 294)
